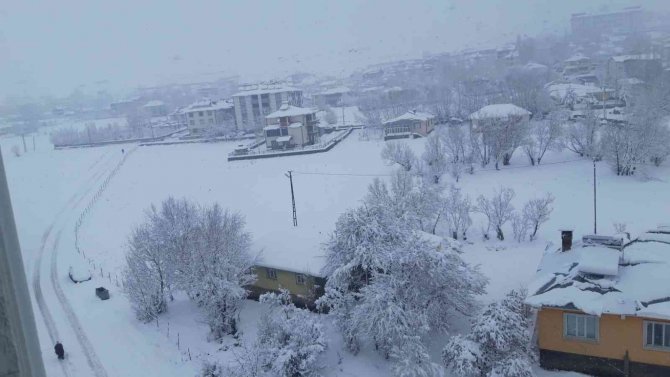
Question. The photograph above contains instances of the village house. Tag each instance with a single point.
(500, 112)
(604, 305)
(410, 124)
(254, 102)
(297, 267)
(645, 67)
(206, 114)
(330, 97)
(155, 108)
(291, 126)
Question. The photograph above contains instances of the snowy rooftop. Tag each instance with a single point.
(411, 115)
(338, 90)
(500, 110)
(265, 90)
(598, 280)
(154, 103)
(287, 110)
(576, 58)
(207, 104)
(623, 58)
(560, 90)
(295, 125)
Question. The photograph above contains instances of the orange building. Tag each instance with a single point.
(605, 310)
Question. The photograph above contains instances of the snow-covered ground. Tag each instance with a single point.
(50, 189)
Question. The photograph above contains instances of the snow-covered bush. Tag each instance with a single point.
(399, 153)
(582, 137)
(390, 284)
(498, 344)
(201, 250)
(543, 135)
(289, 343)
(520, 227)
(498, 210)
(536, 212)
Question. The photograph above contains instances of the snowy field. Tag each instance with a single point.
(50, 189)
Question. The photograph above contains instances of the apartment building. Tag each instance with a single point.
(254, 102)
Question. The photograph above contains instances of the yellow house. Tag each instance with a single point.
(304, 288)
(605, 311)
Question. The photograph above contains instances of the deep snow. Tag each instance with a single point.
(51, 188)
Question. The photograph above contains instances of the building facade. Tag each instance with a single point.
(626, 21)
(290, 126)
(253, 102)
(204, 115)
(411, 124)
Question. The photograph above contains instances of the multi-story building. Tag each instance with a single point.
(291, 126)
(626, 21)
(253, 102)
(206, 114)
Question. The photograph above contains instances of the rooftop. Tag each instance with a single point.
(154, 103)
(500, 110)
(623, 58)
(208, 104)
(264, 89)
(598, 280)
(411, 115)
(287, 110)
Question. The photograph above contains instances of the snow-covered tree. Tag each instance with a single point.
(399, 153)
(330, 117)
(220, 267)
(457, 210)
(543, 135)
(536, 212)
(520, 226)
(496, 139)
(289, 343)
(388, 283)
(201, 250)
(147, 277)
(434, 158)
(457, 145)
(498, 209)
(498, 344)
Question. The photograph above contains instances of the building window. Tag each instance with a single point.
(192, 122)
(190, 115)
(580, 326)
(209, 112)
(657, 335)
(201, 113)
(300, 279)
(271, 273)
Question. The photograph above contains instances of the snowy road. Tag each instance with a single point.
(55, 309)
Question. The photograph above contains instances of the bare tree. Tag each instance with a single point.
(457, 210)
(536, 212)
(582, 137)
(498, 209)
(543, 135)
(399, 153)
(434, 158)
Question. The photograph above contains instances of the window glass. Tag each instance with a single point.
(591, 327)
(658, 334)
(650, 333)
(580, 326)
(571, 325)
(666, 342)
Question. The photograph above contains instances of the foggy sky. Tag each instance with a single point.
(52, 47)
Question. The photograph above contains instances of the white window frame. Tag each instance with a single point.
(271, 273)
(666, 330)
(300, 279)
(577, 337)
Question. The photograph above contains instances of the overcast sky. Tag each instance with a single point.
(51, 47)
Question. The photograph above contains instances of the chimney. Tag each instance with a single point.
(566, 240)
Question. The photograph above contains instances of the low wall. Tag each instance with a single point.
(328, 147)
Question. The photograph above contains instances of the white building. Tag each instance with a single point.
(253, 102)
(290, 126)
(205, 114)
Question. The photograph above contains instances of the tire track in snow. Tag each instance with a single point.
(91, 356)
(74, 200)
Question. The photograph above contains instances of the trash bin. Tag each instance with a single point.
(102, 293)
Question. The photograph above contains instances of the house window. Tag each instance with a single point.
(580, 326)
(300, 279)
(192, 122)
(271, 273)
(201, 113)
(657, 335)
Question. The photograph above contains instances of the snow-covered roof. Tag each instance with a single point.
(576, 58)
(287, 110)
(282, 139)
(412, 115)
(154, 103)
(560, 90)
(499, 110)
(271, 127)
(338, 90)
(266, 90)
(295, 125)
(598, 280)
(208, 104)
(623, 58)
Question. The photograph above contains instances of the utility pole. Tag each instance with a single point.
(21, 351)
(595, 208)
(295, 214)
